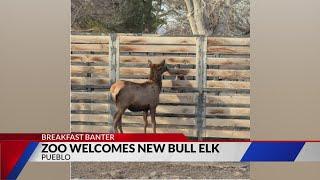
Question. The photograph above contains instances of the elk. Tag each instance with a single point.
(138, 96)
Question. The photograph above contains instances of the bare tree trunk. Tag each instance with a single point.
(192, 21)
(196, 16)
(147, 5)
(199, 17)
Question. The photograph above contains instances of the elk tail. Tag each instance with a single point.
(113, 93)
(115, 90)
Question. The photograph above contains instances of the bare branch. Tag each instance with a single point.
(190, 15)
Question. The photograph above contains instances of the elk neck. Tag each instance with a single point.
(156, 78)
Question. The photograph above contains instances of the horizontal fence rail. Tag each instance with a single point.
(211, 99)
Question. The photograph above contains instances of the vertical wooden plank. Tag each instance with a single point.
(199, 85)
(113, 56)
(204, 85)
(201, 48)
(117, 49)
(114, 75)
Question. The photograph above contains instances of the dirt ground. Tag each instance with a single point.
(159, 170)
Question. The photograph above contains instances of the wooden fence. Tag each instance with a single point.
(212, 100)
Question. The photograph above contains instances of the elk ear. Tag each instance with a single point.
(149, 62)
(163, 62)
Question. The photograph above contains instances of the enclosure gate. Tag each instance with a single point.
(212, 100)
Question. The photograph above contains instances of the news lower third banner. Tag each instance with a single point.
(18, 149)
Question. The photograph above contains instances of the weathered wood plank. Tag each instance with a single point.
(125, 71)
(230, 100)
(89, 39)
(228, 49)
(90, 81)
(228, 61)
(129, 71)
(184, 121)
(229, 74)
(188, 132)
(101, 107)
(86, 58)
(104, 129)
(172, 98)
(157, 59)
(95, 71)
(89, 129)
(91, 96)
(90, 117)
(157, 40)
(228, 111)
(228, 134)
(235, 123)
(165, 83)
(103, 71)
(228, 84)
(169, 98)
(114, 53)
(225, 41)
(104, 107)
(170, 83)
(178, 98)
(158, 48)
(221, 123)
(90, 47)
(114, 57)
(201, 78)
(169, 109)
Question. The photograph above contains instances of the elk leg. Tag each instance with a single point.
(145, 116)
(153, 119)
(120, 124)
(115, 121)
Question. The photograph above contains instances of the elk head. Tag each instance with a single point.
(156, 70)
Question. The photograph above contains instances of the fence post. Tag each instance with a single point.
(114, 71)
(201, 66)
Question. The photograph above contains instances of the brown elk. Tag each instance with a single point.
(138, 96)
